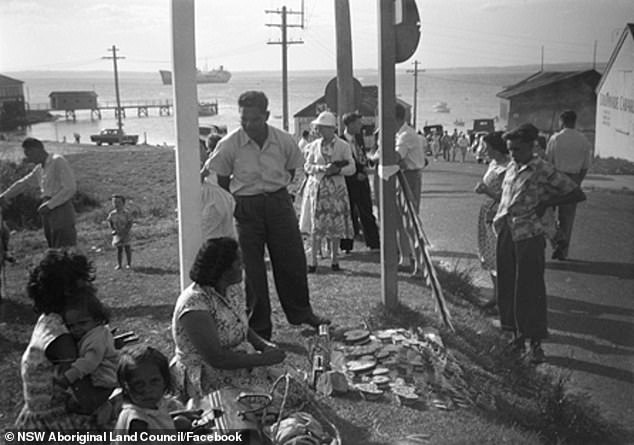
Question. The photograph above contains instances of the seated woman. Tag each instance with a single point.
(59, 277)
(215, 347)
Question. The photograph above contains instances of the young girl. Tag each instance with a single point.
(120, 222)
(144, 376)
(86, 318)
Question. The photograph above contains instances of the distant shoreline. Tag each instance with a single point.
(457, 70)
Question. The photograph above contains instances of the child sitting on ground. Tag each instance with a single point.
(120, 222)
(144, 377)
(87, 320)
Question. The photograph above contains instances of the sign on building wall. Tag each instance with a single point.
(615, 106)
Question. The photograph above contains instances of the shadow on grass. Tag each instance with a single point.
(504, 388)
(149, 270)
(588, 344)
(572, 316)
(592, 368)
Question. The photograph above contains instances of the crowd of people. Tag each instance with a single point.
(221, 323)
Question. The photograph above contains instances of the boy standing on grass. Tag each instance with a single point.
(121, 222)
(531, 185)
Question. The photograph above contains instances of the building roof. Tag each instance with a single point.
(367, 106)
(628, 30)
(546, 78)
(6, 80)
(90, 93)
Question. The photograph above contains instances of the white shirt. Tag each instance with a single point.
(55, 180)
(217, 210)
(410, 148)
(569, 151)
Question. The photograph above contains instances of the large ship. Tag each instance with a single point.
(219, 75)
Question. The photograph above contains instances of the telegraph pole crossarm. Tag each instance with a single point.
(415, 71)
(284, 42)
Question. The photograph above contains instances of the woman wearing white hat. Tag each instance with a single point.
(325, 205)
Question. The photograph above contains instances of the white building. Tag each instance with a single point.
(615, 102)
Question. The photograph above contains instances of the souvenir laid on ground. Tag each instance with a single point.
(405, 394)
(369, 391)
(365, 349)
(413, 365)
(357, 366)
(356, 335)
(390, 349)
(379, 380)
(381, 354)
(440, 404)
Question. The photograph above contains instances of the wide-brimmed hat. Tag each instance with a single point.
(325, 119)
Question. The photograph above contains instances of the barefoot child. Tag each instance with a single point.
(144, 376)
(86, 318)
(120, 222)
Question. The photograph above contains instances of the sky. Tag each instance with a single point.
(76, 34)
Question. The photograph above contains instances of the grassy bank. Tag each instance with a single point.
(511, 403)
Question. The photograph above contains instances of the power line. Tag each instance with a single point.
(119, 110)
(284, 42)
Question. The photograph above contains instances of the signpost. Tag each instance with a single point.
(186, 119)
(392, 49)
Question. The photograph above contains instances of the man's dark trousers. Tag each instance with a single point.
(361, 202)
(270, 220)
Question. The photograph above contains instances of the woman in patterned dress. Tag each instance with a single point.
(325, 211)
(214, 346)
(491, 187)
(60, 275)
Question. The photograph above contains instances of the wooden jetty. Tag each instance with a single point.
(164, 107)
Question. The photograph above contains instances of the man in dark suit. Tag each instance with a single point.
(359, 186)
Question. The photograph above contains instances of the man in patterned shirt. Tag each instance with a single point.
(530, 186)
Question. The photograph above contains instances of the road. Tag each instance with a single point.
(590, 297)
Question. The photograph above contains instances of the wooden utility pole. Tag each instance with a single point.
(542, 64)
(415, 105)
(594, 55)
(285, 42)
(388, 162)
(119, 110)
(186, 120)
(345, 87)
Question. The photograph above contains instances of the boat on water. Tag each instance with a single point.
(219, 75)
(441, 107)
(458, 123)
(207, 108)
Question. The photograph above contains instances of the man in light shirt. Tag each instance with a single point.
(53, 175)
(256, 163)
(411, 159)
(570, 152)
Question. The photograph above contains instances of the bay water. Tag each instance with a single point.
(469, 94)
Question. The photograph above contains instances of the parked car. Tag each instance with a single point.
(114, 136)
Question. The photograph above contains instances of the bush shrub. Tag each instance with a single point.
(21, 213)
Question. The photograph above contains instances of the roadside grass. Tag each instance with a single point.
(611, 166)
(513, 404)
